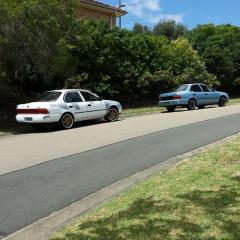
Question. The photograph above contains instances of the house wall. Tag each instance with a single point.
(84, 12)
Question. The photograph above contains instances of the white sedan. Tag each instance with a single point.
(66, 107)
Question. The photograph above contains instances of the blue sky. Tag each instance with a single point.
(188, 12)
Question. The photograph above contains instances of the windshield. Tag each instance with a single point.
(49, 97)
(182, 88)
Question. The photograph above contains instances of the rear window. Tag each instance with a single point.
(182, 88)
(49, 97)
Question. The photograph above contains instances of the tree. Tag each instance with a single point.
(139, 28)
(219, 47)
(31, 41)
(170, 29)
(133, 67)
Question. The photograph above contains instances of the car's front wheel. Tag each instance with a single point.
(113, 115)
(171, 108)
(67, 121)
(222, 102)
(191, 104)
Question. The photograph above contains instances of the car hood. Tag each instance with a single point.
(110, 103)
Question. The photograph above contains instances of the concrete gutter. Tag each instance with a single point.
(44, 228)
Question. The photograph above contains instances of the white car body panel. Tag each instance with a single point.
(84, 110)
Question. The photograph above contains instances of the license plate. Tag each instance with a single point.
(166, 103)
(29, 119)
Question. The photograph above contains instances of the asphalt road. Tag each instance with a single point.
(33, 193)
(26, 150)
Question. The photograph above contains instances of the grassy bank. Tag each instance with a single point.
(156, 109)
(198, 199)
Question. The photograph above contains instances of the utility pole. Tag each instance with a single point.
(120, 5)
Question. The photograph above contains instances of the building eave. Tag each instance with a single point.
(102, 7)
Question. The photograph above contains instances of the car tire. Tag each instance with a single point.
(222, 101)
(191, 105)
(171, 108)
(201, 107)
(66, 121)
(113, 115)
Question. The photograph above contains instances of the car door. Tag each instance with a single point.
(76, 105)
(206, 96)
(197, 94)
(210, 97)
(96, 107)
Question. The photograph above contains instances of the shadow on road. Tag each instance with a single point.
(21, 128)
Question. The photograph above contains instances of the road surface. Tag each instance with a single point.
(32, 193)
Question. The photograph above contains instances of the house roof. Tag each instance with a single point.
(117, 11)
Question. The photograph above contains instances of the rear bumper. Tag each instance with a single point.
(37, 118)
(181, 102)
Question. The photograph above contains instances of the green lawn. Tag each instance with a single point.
(156, 109)
(234, 101)
(143, 110)
(198, 199)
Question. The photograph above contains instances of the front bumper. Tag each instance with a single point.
(120, 108)
(181, 102)
(37, 118)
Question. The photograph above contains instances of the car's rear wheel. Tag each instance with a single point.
(67, 121)
(201, 107)
(113, 115)
(171, 108)
(191, 104)
(222, 102)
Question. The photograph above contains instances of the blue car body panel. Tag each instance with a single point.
(203, 96)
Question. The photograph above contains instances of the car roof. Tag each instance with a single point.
(71, 89)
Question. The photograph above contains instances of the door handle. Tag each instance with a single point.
(70, 106)
(206, 94)
(194, 94)
(89, 104)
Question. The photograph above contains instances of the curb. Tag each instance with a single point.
(44, 228)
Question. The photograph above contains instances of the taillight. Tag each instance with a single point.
(177, 97)
(33, 111)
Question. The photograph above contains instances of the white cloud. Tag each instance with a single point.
(150, 11)
(139, 7)
(176, 17)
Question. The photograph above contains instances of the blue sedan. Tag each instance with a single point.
(192, 96)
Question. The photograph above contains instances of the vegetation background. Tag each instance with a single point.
(44, 46)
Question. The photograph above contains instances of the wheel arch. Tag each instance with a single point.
(67, 113)
(223, 96)
(112, 106)
(192, 98)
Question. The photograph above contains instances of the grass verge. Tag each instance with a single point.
(156, 109)
(197, 199)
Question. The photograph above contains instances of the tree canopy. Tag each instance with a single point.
(219, 47)
(44, 46)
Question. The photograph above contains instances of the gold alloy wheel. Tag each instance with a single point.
(67, 121)
(113, 115)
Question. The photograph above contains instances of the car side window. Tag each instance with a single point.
(89, 96)
(206, 88)
(71, 97)
(196, 88)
